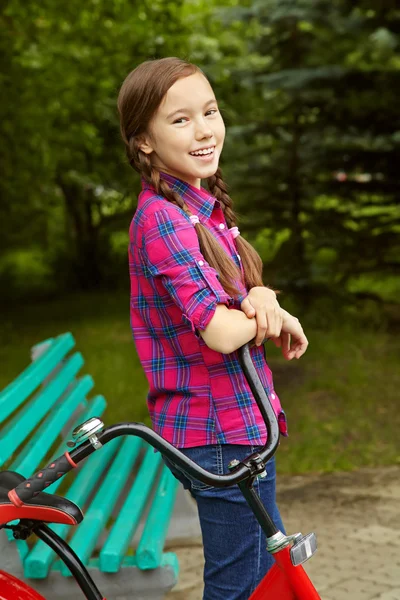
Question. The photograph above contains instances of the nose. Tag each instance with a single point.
(203, 130)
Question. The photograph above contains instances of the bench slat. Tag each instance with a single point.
(26, 420)
(84, 540)
(113, 551)
(36, 449)
(38, 561)
(168, 559)
(150, 548)
(16, 392)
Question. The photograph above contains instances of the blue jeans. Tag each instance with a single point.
(234, 544)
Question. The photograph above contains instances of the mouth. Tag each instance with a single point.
(205, 154)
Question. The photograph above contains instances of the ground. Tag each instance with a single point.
(356, 518)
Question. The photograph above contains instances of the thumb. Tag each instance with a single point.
(247, 308)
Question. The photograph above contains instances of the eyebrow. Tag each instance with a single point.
(212, 101)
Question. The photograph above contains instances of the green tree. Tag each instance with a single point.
(60, 132)
(319, 144)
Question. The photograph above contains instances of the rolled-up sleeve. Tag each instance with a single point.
(171, 251)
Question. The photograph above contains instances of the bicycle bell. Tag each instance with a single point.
(87, 431)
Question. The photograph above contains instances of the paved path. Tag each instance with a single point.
(356, 517)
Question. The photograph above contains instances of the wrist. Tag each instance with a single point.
(275, 292)
(286, 316)
(270, 290)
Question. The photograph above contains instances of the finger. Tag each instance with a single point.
(269, 316)
(301, 350)
(262, 326)
(297, 350)
(280, 320)
(247, 308)
(293, 349)
(286, 341)
(277, 341)
(275, 322)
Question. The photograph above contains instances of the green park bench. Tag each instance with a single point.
(126, 492)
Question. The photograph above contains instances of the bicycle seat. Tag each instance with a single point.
(44, 507)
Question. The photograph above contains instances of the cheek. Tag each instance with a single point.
(179, 139)
(220, 130)
(170, 144)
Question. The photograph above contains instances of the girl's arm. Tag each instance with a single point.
(228, 330)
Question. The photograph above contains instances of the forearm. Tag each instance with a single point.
(228, 330)
(241, 329)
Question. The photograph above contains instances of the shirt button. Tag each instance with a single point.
(201, 263)
(221, 226)
(273, 396)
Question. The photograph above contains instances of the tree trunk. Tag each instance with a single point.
(86, 262)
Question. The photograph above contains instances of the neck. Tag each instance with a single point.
(193, 182)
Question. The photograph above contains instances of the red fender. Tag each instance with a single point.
(285, 581)
(12, 588)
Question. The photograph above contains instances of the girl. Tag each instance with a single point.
(197, 295)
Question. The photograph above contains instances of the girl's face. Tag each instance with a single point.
(187, 120)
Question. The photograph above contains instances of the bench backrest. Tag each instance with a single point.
(38, 411)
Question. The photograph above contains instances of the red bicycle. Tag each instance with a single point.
(24, 499)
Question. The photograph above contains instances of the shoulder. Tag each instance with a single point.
(155, 212)
(151, 207)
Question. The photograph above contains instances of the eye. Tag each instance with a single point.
(211, 111)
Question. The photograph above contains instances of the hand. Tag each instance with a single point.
(292, 339)
(262, 304)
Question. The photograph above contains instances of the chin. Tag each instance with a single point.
(209, 172)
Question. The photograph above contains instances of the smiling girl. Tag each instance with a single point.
(197, 295)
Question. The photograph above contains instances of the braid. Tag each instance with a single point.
(251, 261)
(219, 190)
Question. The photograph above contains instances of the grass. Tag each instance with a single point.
(341, 397)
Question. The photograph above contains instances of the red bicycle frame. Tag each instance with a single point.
(12, 588)
(285, 581)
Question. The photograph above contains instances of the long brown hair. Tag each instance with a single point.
(139, 98)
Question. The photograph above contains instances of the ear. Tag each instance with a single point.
(145, 145)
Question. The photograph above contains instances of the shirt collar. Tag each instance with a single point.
(200, 201)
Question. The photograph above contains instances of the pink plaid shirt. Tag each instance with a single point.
(197, 396)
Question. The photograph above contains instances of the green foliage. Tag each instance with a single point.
(24, 272)
(309, 93)
(319, 146)
(66, 67)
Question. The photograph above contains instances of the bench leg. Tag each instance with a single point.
(184, 526)
(10, 560)
(129, 583)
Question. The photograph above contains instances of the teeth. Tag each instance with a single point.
(202, 152)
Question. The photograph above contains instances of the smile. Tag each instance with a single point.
(206, 155)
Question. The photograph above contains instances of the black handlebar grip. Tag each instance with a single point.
(31, 487)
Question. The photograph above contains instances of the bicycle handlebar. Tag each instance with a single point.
(29, 488)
